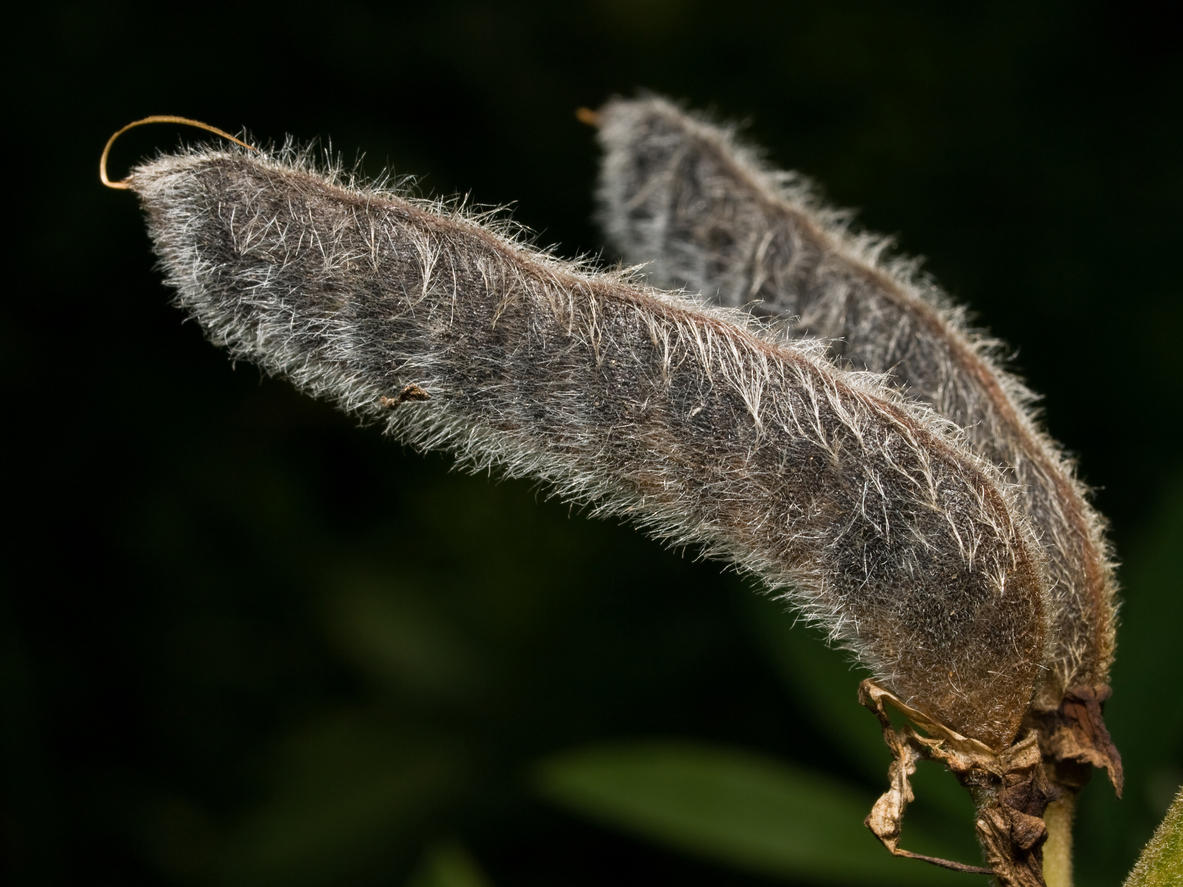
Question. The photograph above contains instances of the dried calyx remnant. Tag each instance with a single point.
(871, 513)
(683, 194)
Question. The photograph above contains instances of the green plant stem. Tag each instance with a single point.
(1057, 851)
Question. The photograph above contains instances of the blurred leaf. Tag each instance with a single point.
(1161, 863)
(732, 806)
(350, 789)
(398, 639)
(447, 865)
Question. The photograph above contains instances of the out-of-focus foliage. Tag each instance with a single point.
(1161, 863)
(447, 865)
(748, 811)
(242, 641)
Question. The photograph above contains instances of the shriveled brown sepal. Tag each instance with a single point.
(1074, 739)
(886, 818)
(1011, 788)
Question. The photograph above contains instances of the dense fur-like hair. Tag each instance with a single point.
(868, 512)
(683, 195)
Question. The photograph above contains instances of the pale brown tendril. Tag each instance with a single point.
(587, 116)
(125, 184)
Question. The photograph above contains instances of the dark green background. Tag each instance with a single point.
(242, 641)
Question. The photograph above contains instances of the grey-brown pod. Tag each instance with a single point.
(684, 196)
(867, 512)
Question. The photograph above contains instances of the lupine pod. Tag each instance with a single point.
(866, 511)
(684, 196)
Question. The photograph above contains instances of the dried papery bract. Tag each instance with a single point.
(1011, 788)
(683, 195)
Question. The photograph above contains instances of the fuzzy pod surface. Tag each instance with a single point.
(683, 195)
(866, 512)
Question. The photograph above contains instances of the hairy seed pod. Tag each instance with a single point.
(683, 195)
(868, 512)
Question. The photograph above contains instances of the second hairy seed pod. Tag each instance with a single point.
(682, 194)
